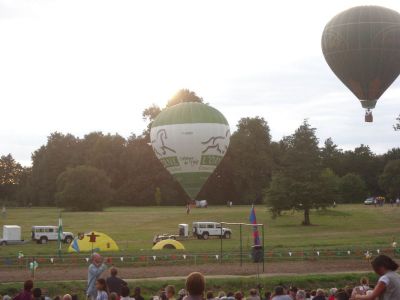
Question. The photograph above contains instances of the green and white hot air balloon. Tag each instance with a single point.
(190, 139)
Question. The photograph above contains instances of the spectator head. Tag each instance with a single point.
(279, 290)
(210, 295)
(57, 298)
(253, 293)
(138, 291)
(170, 291)
(125, 291)
(332, 291)
(364, 281)
(182, 293)
(113, 296)
(293, 290)
(267, 295)
(301, 295)
(230, 294)
(67, 297)
(195, 284)
(348, 290)
(383, 263)
(101, 284)
(320, 292)
(28, 285)
(238, 296)
(37, 293)
(341, 295)
(96, 258)
(221, 294)
(163, 296)
(113, 271)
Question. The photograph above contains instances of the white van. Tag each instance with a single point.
(206, 229)
(43, 234)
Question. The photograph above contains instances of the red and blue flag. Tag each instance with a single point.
(253, 220)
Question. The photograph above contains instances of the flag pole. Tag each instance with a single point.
(59, 235)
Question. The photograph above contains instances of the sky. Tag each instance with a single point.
(77, 66)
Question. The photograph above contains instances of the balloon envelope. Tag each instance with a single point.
(102, 242)
(362, 47)
(190, 139)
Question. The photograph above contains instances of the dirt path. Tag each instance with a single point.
(172, 271)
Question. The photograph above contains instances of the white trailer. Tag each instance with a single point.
(183, 230)
(11, 235)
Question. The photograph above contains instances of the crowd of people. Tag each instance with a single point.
(114, 288)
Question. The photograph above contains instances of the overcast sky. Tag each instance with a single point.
(82, 66)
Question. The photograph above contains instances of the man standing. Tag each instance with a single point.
(95, 269)
(114, 283)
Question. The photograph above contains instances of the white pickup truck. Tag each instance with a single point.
(203, 230)
(43, 234)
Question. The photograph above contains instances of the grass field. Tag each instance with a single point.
(134, 227)
(151, 287)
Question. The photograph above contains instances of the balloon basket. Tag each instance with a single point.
(369, 118)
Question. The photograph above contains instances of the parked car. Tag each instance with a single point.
(201, 203)
(369, 201)
(44, 234)
(161, 237)
(205, 230)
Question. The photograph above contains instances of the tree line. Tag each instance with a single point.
(99, 170)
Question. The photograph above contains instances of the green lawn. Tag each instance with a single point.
(151, 287)
(134, 227)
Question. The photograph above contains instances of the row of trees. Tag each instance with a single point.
(108, 169)
(307, 176)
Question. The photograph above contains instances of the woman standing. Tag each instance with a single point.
(388, 287)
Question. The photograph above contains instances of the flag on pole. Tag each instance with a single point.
(253, 220)
(60, 234)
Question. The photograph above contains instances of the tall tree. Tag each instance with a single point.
(352, 188)
(184, 95)
(397, 125)
(151, 112)
(11, 174)
(49, 161)
(330, 155)
(83, 188)
(365, 163)
(391, 154)
(250, 156)
(300, 183)
(390, 179)
(105, 153)
(143, 173)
